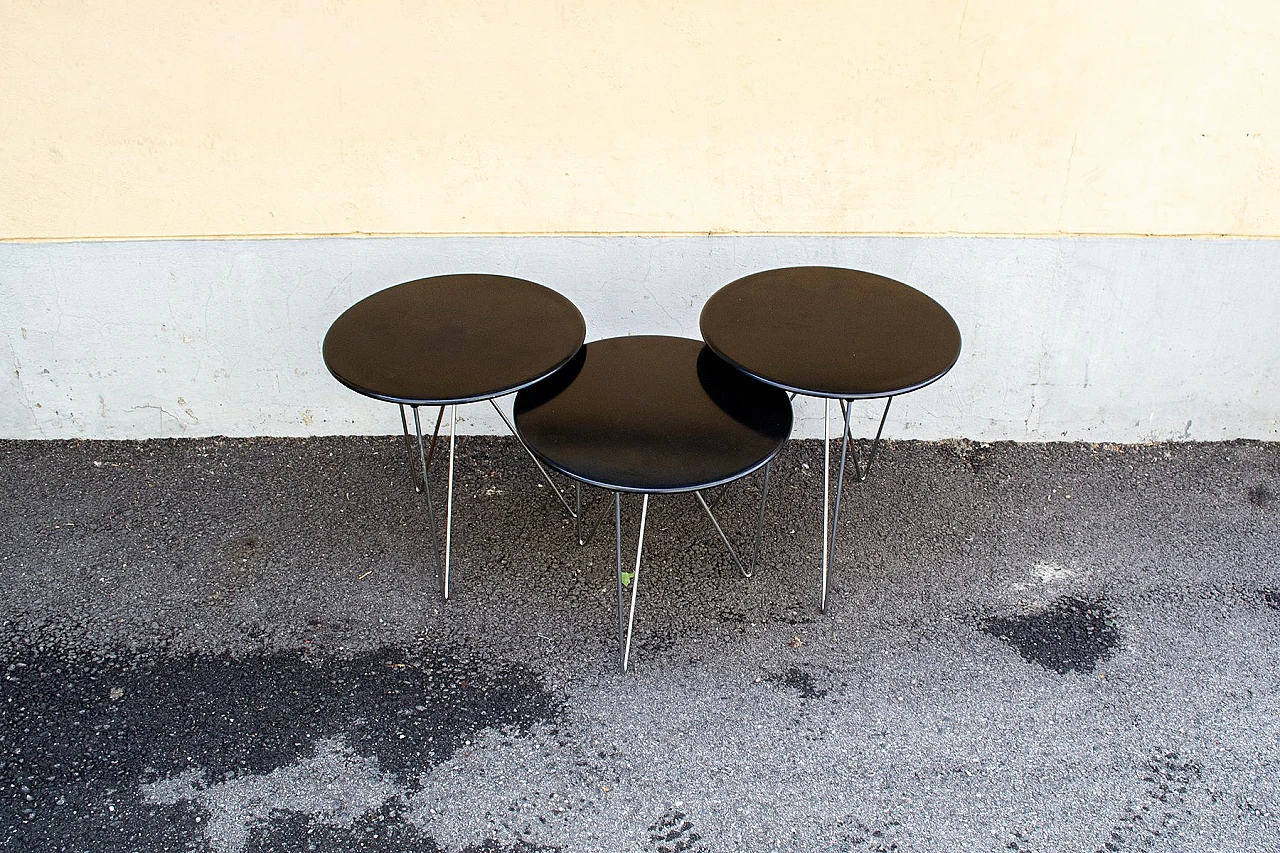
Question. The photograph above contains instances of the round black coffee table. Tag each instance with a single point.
(447, 340)
(836, 334)
(652, 414)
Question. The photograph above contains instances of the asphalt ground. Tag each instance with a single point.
(239, 645)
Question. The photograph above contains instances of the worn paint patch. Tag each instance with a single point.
(1070, 635)
(1049, 572)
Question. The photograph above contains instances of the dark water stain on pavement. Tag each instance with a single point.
(674, 833)
(879, 838)
(1070, 635)
(1261, 496)
(797, 679)
(383, 831)
(1270, 597)
(78, 736)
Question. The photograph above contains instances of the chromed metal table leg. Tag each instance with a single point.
(577, 513)
(860, 473)
(585, 533)
(625, 642)
(764, 498)
(563, 500)
(426, 487)
(835, 516)
(826, 488)
(748, 569)
(746, 573)
(448, 514)
(408, 449)
(617, 550)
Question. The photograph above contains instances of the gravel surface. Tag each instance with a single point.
(239, 645)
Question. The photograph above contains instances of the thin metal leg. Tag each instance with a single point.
(875, 445)
(617, 549)
(408, 449)
(860, 473)
(746, 573)
(717, 497)
(835, 516)
(764, 498)
(448, 513)
(435, 435)
(635, 577)
(545, 475)
(586, 532)
(826, 488)
(426, 487)
(577, 513)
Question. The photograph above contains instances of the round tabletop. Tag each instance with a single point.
(452, 339)
(652, 413)
(831, 332)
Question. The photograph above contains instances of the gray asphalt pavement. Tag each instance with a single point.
(239, 645)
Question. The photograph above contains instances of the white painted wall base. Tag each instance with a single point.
(1103, 339)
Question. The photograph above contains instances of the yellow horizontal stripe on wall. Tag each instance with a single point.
(245, 117)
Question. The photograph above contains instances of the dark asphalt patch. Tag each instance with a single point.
(1270, 597)
(80, 736)
(797, 679)
(1260, 495)
(383, 831)
(1070, 635)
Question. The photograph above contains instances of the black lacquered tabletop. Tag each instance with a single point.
(452, 339)
(831, 332)
(652, 413)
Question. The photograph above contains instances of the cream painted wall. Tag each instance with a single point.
(264, 117)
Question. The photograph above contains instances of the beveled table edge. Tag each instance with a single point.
(452, 401)
(809, 392)
(679, 490)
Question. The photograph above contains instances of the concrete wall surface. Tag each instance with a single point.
(1108, 339)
